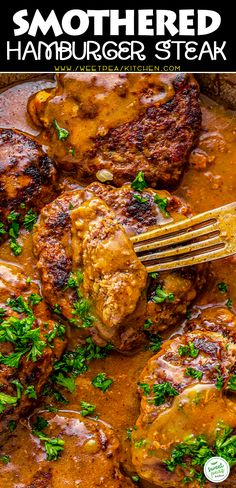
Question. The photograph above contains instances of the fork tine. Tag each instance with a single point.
(189, 261)
(176, 251)
(176, 239)
(205, 219)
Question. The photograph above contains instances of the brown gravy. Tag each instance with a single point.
(210, 182)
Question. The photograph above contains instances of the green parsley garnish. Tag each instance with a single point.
(194, 452)
(62, 134)
(145, 387)
(6, 400)
(74, 280)
(135, 478)
(232, 383)
(2, 229)
(72, 151)
(11, 425)
(147, 324)
(161, 296)
(65, 381)
(162, 204)
(154, 275)
(19, 388)
(30, 392)
(102, 382)
(40, 424)
(162, 392)
(140, 443)
(194, 373)
(30, 220)
(34, 299)
(57, 309)
(82, 310)
(86, 408)
(189, 350)
(53, 445)
(139, 182)
(13, 232)
(140, 199)
(222, 287)
(5, 459)
(229, 303)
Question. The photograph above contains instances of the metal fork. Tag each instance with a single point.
(204, 237)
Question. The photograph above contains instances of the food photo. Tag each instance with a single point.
(117, 280)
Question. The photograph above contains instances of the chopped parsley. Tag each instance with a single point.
(82, 310)
(194, 373)
(30, 392)
(6, 400)
(232, 383)
(219, 382)
(229, 303)
(86, 408)
(154, 275)
(2, 229)
(65, 381)
(57, 309)
(30, 220)
(20, 332)
(57, 331)
(11, 425)
(129, 433)
(189, 350)
(34, 299)
(72, 151)
(147, 324)
(13, 232)
(73, 364)
(5, 459)
(40, 423)
(145, 387)
(62, 134)
(19, 388)
(53, 446)
(155, 342)
(102, 382)
(161, 296)
(140, 443)
(140, 199)
(135, 478)
(222, 287)
(74, 280)
(162, 204)
(194, 452)
(162, 392)
(139, 182)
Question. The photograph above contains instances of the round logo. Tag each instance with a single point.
(216, 469)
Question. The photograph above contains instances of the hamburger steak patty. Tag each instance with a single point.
(27, 175)
(90, 458)
(188, 405)
(123, 123)
(56, 253)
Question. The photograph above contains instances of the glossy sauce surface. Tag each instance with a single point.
(210, 182)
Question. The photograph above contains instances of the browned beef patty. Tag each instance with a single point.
(53, 247)
(27, 175)
(123, 123)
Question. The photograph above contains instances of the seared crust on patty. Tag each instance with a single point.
(124, 124)
(27, 174)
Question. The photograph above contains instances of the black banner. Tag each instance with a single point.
(160, 38)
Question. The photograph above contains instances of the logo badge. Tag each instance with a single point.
(216, 469)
